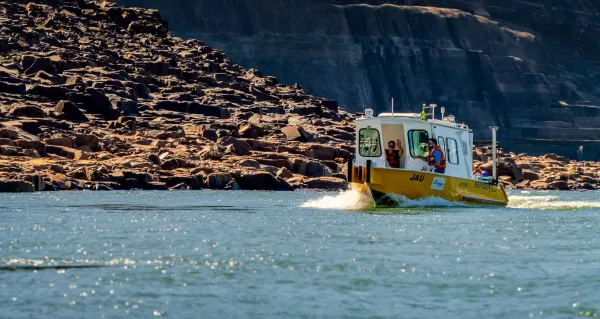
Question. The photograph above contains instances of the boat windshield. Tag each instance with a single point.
(418, 143)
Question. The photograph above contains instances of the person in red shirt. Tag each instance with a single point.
(393, 155)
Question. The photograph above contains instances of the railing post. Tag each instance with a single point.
(494, 152)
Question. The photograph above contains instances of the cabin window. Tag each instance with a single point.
(452, 153)
(418, 143)
(369, 143)
(464, 145)
(442, 143)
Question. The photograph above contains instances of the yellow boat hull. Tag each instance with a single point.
(386, 184)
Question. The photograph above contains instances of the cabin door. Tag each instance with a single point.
(455, 144)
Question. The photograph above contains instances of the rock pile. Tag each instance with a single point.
(548, 172)
(97, 96)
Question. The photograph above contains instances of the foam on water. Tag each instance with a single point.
(354, 200)
(432, 201)
(350, 199)
(549, 202)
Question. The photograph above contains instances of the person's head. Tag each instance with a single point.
(581, 148)
(432, 143)
(392, 144)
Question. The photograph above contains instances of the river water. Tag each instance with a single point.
(302, 254)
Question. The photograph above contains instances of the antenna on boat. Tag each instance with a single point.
(443, 110)
(494, 152)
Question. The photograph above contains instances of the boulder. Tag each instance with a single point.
(96, 102)
(27, 111)
(260, 180)
(210, 134)
(209, 110)
(52, 92)
(12, 88)
(322, 152)
(31, 145)
(220, 181)
(66, 152)
(297, 133)
(251, 130)
(59, 141)
(326, 183)
(248, 163)
(11, 151)
(234, 145)
(16, 187)
(69, 111)
(91, 141)
(41, 64)
(284, 173)
(530, 175)
(175, 106)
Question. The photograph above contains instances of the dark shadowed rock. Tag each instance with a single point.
(27, 111)
(41, 64)
(220, 181)
(16, 187)
(259, 180)
(95, 102)
(12, 88)
(54, 93)
(69, 111)
(326, 183)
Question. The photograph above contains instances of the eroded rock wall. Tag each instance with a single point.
(528, 66)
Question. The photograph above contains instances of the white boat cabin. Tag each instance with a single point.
(374, 133)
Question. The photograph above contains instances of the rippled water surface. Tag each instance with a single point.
(302, 254)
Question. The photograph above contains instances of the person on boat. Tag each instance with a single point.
(436, 157)
(393, 155)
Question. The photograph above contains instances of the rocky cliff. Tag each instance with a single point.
(528, 66)
(97, 96)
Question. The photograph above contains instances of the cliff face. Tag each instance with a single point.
(528, 66)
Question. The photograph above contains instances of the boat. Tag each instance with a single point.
(414, 179)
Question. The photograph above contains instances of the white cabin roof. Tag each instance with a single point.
(399, 118)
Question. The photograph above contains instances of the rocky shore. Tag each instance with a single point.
(100, 97)
(97, 96)
(548, 172)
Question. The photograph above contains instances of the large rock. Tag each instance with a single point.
(251, 130)
(96, 102)
(16, 187)
(234, 145)
(326, 183)
(220, 181)
(41, 64)
(12, 88)
(70, 111)
(52, 92)
(27, 111)
(260, 180)
(297, 133)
